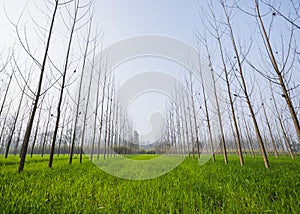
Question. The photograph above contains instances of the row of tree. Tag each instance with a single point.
(250, 106)
(249, 109)
(48, 115)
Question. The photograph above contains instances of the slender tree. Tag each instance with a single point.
(207, 118)
(270, 131)
(217, 33)
(278, 72)
(217, 105)
(64, 76)
(39, 88)
(2, 137)
(279, 117)
(85, 114)
(244, 86)
(83, 67)
(6, 92)
(96, 108)
(102, 112)
(16, 117)
(36, 128)
(46, 131)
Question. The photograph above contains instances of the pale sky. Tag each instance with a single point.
(119, 20)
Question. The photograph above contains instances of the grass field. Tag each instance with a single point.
(190, 188)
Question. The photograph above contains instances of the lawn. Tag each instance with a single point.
(190, 188)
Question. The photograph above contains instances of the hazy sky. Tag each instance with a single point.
(123, 19)
(119, 20)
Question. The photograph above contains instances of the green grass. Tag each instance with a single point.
(142, 156)
(190, 188)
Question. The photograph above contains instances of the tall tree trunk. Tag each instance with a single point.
(219, 118)
(237, 133)
(79, 96)
(37, 96)
(191, 126)
(279, 139)
(179, 136)
(6, 92)
(61, 133)
(244, 87)
(207, 118)
(277, 71)
(116, 125)
(186, 124)
(106, 121)
(217, 34)
(15, 122)
(4, 125)
(102, 114)
(248, 134)
(36, 130)
(270, 131)
(110, 119)
(96, 115)
(19, 136)
(182, 121)
(194, 116)
(46, 132)
(64, 74)
(286, 140)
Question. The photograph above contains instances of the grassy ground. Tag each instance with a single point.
(142, 157)
(190, 188)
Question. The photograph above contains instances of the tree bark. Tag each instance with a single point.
(64, 74)
(14, 123)
(37, 96)
(270, 131)
(244, 87)
(278, 72)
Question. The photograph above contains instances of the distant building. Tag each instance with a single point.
(136, 137)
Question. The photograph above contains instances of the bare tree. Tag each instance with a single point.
(279, 72)
(42, 67)
(85, 55)
(19, 134)
(291, 18)
(85, 114)
(108, 115)
(36, 128)
(96, 107)
(279, 117)
(6, 92)
(244, 86)
(62, 132)
(2, 137)
(194, 115)
(270, 131)
(186, 124)
(218, 34)
(207, 118)
(191, 128)
(46, 130)
(248, 133)
(219, 112)
(102, 111)
(75, 19)
(16, 117)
